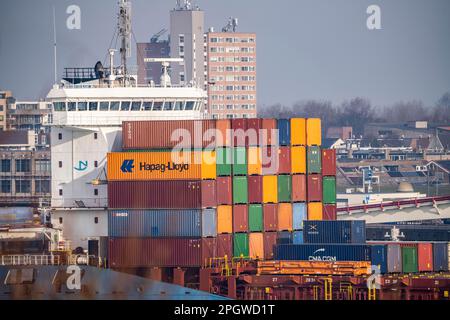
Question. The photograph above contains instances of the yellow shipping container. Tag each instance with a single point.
(256, 245)
(298, 159)
(270, 189)
(224, 219)
(298, 132)
(254, 156)
(313, 132)
(315, 211)
(161, 165)
(284, 216)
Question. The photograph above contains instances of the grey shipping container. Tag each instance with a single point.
(334, 231)
(323, 252)
(162, 223)
(394, 258)
(440, 256)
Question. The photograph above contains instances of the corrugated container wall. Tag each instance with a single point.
(297, 237)
(240, 218)
(284, 132)
(341, 231)
(329, 190)
(224, 127)
(240, 245)
(313, 132)
(284, 217)
(270, 240)
(284, 188)
(328, 162)
(255, 218)
(323, 252)
(298, 187)
(313, 161)
(239, 127)
(298, 160)
(329, 212)
(284, 160)
(270, 126)
(254, 161)
(255, 189)
(224, 194)
(224, 219)
(240, 188)
(256, 245)
(224, 161)
(298, 132)
(239, 161)
(394, 258)
(315, 211)
(270, 189)
(254, 126)
(440, 256)
(225, 245)
(314, 187)
(269, 160)
(409, 259)
(299, 214)
(380, 257)
(425, 256)
(270, 212)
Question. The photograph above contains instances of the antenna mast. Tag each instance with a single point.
(54, 44)
(125, 33)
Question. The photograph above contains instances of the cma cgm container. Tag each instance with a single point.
(284, 132)
(342, 231)
(323, 252)
(298, 187)
(269, 133)
(161, 165)
(169, 194)
(223, 190)
(155, 252)
(255, 189)
(328, 162)
(313, 132)
(162, 223)
(440, 256)
(168, 134)
(240, 218)
(270, 212)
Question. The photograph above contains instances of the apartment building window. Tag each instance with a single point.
(43, 165)
(95, 192)
(181, 38)
(60, 192)
(23, 186)
(181, 50)
(60, 164)
(213, 39)
(42, 186)
(60, 220)
(95, 163)
(59, 136)
(5, 186)
(96, 220)
(95, 135)
(5, 165)
(23, 165)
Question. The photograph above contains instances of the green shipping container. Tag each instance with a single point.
(239, 161)
(284, 188)
(223, 161)
(409, 259)
(240, 192)
(240, 245)
(313, 163)
(255, 217)
(329, 190)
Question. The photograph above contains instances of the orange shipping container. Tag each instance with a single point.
(298, 160)
(270, 189)
(254, 161)
(224, 219)
(161, 165)
(315, 211)
(313, 132)
(256, 245)
(224, 127)
(284, 217)
(298, 132)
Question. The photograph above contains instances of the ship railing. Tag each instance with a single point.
(30, 260)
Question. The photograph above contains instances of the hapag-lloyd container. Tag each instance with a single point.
(155, 194)
(269, 127)
(168, 134)
(299, 214)
(224, 161)
(239, 128)
(254, 125)
(255, 218)
(313, 132)
(440, 256)
(240, 190)
(254, 161)
(323, 252)
(298, 132)
(224, 127)
(425, 257)
(240, 218)
(240, 245)
(270, 240)
(161, 165)
(329, 212)
(224, 219)
(284, 132)
(315, 211)
(284, 217)
(328, 162)
(270, 212)
(225, 245)
(224, 194)
(314, 189)
(162, 223)
(284, 188)
(284, 160)
(342, 231)
(255, 189)
(155, 252)
(298, 160)
(256, 245)
(298, 187)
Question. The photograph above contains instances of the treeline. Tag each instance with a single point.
(359, 111)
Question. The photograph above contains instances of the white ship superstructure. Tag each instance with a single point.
(89, 107)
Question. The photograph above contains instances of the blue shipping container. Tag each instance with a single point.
(299, 214)
(322, 252)
(16, 215)
(379, 257)
(162, 223)
(284, 237)
(440, 256)
(297, 237)
(284, 132)
(341, 231)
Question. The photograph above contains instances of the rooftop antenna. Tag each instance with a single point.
(125, 33)
(231, 25)
(165, 63)
(54, 44)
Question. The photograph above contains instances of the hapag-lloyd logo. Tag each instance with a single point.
(128, 166)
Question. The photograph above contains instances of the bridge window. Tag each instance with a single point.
(179, 105)
(189, 105)
(158, 105)
(93, 106)
(82, 106)
(125, 106)
(104, 105)
(136, 106)
(59, 106)
(71, 106)
(114, 106)
(168, 105)
(147, 105)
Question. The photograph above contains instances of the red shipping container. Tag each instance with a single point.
(225, 246)
(155, 252)
(270, 240)
(161, 134)
(298, 187)
(329, 212)
(161, 194)
(224, 127)
(224, 190)
(269, 133)
(239, 125)
(328, 162)
(270, 212)
(284, 160)
(425, 256)
(209, 250)
(269, 160)
(240, 218)
(314, 187)
(253, 127)
(255, 189)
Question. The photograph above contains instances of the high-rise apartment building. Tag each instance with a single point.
(231, 65)
(5, 100)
